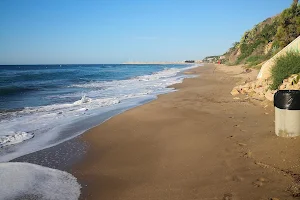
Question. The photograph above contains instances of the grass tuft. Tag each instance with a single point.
(284, 67)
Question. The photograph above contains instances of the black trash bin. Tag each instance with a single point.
(287, 113)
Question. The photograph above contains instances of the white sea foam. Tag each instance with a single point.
(166, 73)
(48, 122)
(83, 100)
(14, 138)
(30, 181)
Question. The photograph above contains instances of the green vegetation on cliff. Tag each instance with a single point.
(289, 25)
(266, 38)
(284, 67)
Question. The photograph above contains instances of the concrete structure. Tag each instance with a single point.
(265, 71)
(287, 122)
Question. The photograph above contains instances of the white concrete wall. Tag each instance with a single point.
(265, 71)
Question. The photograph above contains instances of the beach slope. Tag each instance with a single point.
(196, 143)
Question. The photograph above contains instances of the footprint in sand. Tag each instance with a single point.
(242, 144)
(248, 154)
(259, 182)
(234, 178)
(227, 196)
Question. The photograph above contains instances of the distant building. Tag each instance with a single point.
(189, 61)
(210, 60)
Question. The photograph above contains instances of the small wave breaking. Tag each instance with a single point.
(15, 138)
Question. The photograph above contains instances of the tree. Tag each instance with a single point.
(296, 2)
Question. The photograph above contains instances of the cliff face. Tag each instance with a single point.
(266, 39)
(256, 45)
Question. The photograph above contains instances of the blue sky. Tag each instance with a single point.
(116, 31)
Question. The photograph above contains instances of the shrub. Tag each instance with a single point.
(256, 59)
(247, 50)
(269, 31)
(289, 25)
(252, 59)
(275, 48)
(284, 67)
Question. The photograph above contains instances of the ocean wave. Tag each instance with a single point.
(67, 107)
(13, 90)
(95, 84)
(83, 100)
(14, 138)
(167, 72)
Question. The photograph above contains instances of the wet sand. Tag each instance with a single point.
(197, 143)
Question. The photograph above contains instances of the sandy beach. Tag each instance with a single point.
(144, 100)
(197, 143)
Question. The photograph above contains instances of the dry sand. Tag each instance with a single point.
(196, 143)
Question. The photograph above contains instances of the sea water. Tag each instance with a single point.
(30, 181)
(44, 105)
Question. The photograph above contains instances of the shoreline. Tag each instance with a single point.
(62, 156)
(67, 120)
(196, 143)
